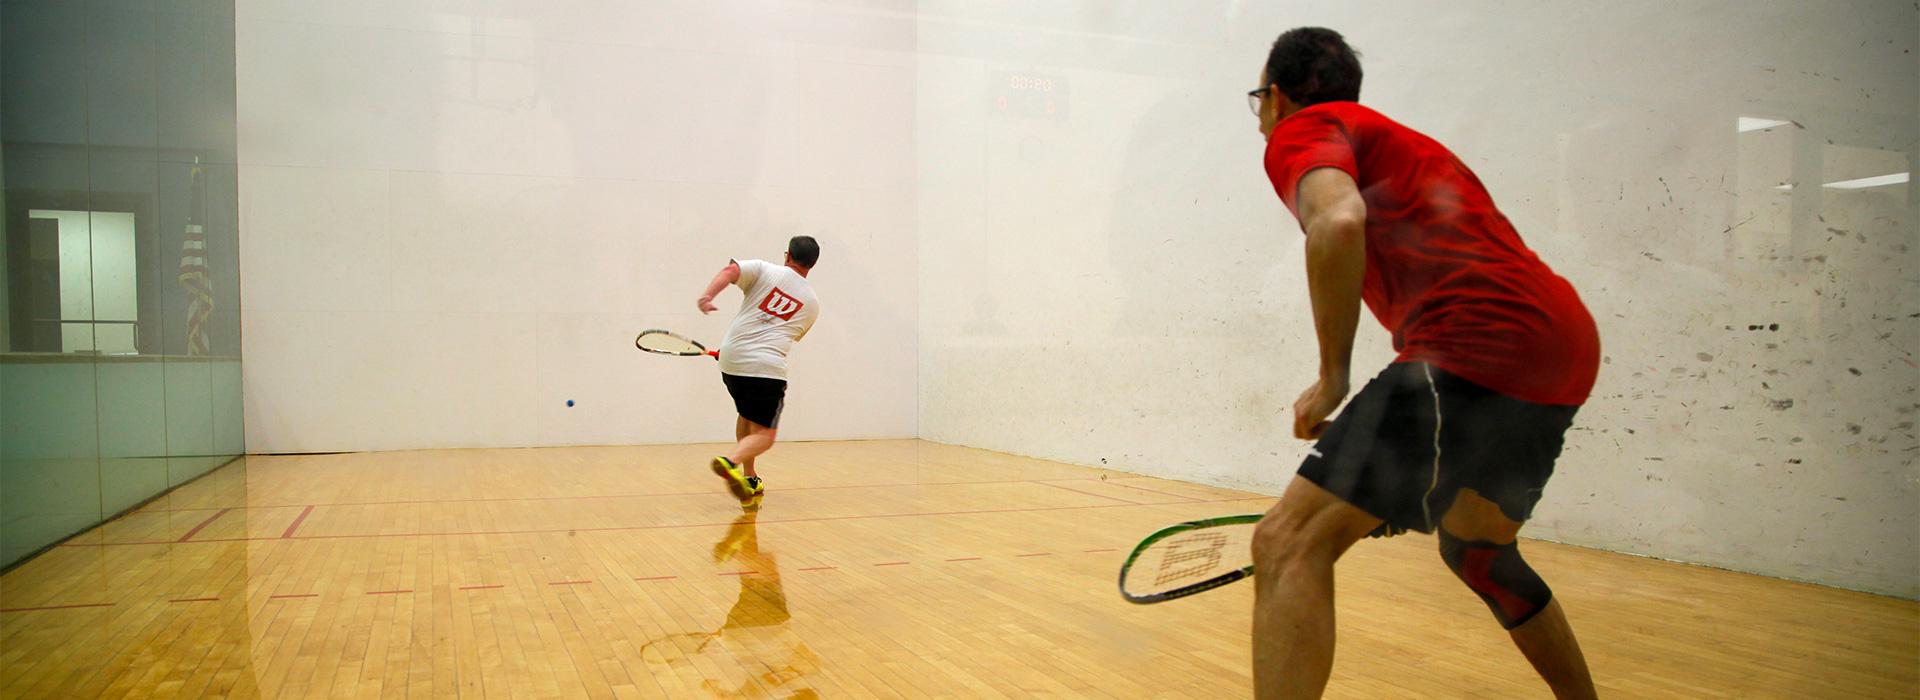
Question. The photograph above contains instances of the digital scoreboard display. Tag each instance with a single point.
(1028, 95)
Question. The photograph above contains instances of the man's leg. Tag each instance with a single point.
(741, 428)
(1294, 549)
(1481, 540)
(757, 440)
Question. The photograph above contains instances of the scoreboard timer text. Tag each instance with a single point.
(1029, 95)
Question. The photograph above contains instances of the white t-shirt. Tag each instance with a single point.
(779, 309)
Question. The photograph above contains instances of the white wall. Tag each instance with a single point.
(1117, 284)
(456, 216)
(455, 220)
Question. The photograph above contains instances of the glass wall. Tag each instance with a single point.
(119, 278)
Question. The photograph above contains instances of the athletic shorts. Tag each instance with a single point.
(1416, 435)
(757, 399)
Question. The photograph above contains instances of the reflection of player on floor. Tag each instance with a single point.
(778, 310)
(755, 651)
(1459, 434)
(756, 632)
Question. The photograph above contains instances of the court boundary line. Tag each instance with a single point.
(1084, 493)
(637, 528)
(58, 607)
(472, 587)
(1116, 482)
(297, 522)
(203, 524)
(670, 494)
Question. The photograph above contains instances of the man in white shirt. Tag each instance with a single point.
(778, 310)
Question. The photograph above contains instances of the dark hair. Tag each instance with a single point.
(804, 250)
(1314, 65)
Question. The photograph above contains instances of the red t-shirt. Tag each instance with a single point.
(1446, 272)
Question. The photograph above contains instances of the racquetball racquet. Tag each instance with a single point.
(1191, 557)
(670, 343)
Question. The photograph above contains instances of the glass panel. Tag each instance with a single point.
(49, 456)
(133, 433)
(119, 275)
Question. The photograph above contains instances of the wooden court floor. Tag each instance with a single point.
(872, 569)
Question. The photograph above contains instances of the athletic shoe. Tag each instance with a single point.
(736, 481)
(755, 485)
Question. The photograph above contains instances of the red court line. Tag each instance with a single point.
(1148, 490)
(203, 524)
(496, 585)
(57, 607)
(1084, 493)
(707, 492)
(296, 523)
(633, 528)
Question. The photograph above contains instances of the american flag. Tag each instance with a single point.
(193, 272)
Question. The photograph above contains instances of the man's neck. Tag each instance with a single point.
(797, 269)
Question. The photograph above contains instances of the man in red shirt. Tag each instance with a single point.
(1459, 434)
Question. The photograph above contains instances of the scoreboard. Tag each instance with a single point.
(1028, 95)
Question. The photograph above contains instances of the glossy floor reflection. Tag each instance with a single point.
(755, 640)
(870, 569)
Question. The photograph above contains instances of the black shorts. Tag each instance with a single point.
(1416, 435)
(757, 399)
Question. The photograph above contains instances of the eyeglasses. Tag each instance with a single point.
(1255, 97)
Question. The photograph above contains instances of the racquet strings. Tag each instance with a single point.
(664, 342)
(1189, 557)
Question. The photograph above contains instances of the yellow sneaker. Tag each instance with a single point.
(736, 481)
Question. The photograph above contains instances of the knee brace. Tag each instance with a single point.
(1499, 576)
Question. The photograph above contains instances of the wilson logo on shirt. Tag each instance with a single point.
(779, 305)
